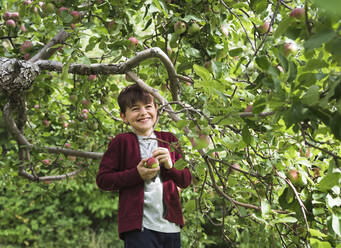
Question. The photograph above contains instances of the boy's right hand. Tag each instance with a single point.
(146, 173)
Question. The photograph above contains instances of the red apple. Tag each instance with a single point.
(46, 122)
(262, 29)
(289, 48)
(297, 13)
(46, 161)
(179, 27)
(67, 145)
(84, 116)
(208, 65)
(234, 168)
(62, 9)
(152, 163)
(27, 56)
(133, 42)
(76, 16)
(73, 98)
(248, 108)
(27, 2)
(15, 15)
(92, 77)
(7, 15)
(295, 177)
(224, 29)
(10, 23)
(280, 68)
(65, 124)
(85, 111)
(26, 46)
(112, 25)
(86, 103)
(36, 106)
(23, 28)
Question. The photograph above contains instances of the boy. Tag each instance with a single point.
(149, 213)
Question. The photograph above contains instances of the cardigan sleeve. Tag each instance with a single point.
(181, 178)
(112, 173)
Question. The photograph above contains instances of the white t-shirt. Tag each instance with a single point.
(153, 207)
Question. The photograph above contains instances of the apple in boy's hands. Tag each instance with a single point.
(152, 163)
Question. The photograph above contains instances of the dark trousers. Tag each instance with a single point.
(151, 239)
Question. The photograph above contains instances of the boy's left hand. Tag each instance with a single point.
(162, 154)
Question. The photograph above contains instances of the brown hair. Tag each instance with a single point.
(131, 95)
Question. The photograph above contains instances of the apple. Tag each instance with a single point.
(49, 8)
(179, 27)
(248, 108)
(27, 56)
(67, 145)
(46, 161)
(133, 42)
(7, 15)
(289, 48)
(36, 106)
(86, 103)
(112, 25)
(10, 23)
(152, 163)
(75, 15)
(26, 46)
(295, 177)
(15, 15)
(234, 168)
(194, 28)
(262, 29)
(280, 68)
(85, 111)
(27, 2)
(208, 65)
(23, 28)
(297, 13)
(73, 98)
(62, 9)
(224, 29)
(72, 158)
(84, 116)
(46, 122)
(92, 77)
(65, 124)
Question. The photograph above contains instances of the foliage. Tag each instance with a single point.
(228, 64)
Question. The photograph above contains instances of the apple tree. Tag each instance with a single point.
(252, 90)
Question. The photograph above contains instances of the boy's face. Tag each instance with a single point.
(142, 117)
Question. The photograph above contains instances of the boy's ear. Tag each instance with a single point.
(123, 117)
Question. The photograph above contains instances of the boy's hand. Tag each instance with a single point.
(146, 173)
(162, 154)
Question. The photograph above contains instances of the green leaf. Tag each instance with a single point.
(336, 224)
(263, 62)
(316, 233)
(292, 71)
(315, 243)
(180, 164)
(283, 26)
(190, 206)
(312, 96)
(202, 72)
(318, 39)
(287, 219)
(265, 207)
(246, 135)
(235, 52)
(329, 181)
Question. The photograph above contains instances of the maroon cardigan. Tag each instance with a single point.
(117, 171)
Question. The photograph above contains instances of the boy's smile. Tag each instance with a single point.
(142, 117)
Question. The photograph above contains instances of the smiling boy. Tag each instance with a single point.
(150, 212)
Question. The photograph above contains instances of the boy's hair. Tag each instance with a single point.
(132, 94)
